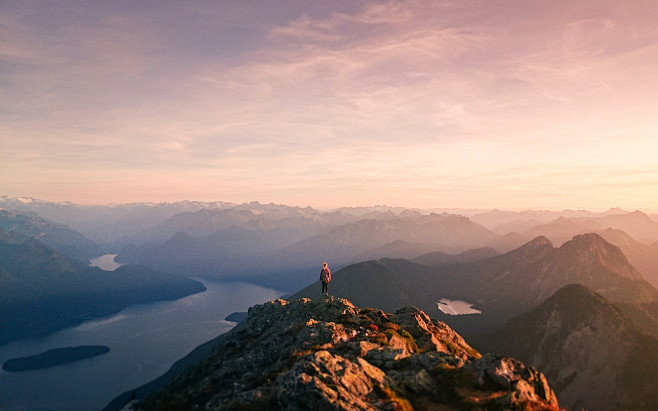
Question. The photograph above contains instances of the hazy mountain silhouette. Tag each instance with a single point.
(262, 241)
(641, 256)
(496, 220)
(42, 291)
(106, 224)
(344, 244)
(65, 240)
(563, 229)
(557, 231)
(439, 259)
(396, 249)
(516, 226)
(241, 243)
(593, 356)
(205, 222)
(636, 224)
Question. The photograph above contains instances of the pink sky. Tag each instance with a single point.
(473, 104)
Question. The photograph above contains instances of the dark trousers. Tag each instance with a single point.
(325, 287)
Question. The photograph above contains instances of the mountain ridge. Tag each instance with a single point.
(501, 286)
(330, 354)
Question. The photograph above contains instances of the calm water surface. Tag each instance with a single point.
(105, 262)
(456, 307)
(145, 340)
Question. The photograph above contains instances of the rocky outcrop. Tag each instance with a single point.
(327, 354)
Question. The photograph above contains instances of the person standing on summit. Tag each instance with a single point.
(325, 278)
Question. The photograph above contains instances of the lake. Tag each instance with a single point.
(145, 340)
(456, 307)
(105, 262)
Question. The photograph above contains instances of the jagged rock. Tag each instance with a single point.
(527, 385)
(327, 354)
(324, 381)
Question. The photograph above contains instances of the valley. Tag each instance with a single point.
(144, 341)
(367, 205)
(469, 271)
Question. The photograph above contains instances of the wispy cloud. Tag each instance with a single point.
(434, 99)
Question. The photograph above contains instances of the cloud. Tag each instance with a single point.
(447, 97)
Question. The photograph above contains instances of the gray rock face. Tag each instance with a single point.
(327, 354)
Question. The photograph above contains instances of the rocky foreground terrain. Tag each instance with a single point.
(327, 354)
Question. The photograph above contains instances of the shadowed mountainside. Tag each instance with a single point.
(68, 242)
(42, 291)
(592, 354)
(439, 259)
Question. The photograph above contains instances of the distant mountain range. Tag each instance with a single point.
(261, 241)
(42, 291)
(501, 286)
(521, 269)
(503, 222)
(106, 223)
(244, 243)
(65, 240)
(615, 229)
(638, 225)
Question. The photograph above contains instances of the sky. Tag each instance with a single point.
(464, 104)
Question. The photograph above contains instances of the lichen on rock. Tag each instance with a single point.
(328, 354)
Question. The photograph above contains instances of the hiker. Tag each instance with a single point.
(325, 278)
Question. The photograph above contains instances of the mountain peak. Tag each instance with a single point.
(589, 239)
(330, 354)
(578, 299)
(591, 250)
(538, 242)
(594, 244)
(531, 251)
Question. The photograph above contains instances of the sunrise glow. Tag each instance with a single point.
(473, 104)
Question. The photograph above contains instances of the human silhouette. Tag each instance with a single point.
(325, 278)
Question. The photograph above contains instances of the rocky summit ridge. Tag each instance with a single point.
(327, 354)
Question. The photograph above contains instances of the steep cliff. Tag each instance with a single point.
(327, 354)
(592, 354)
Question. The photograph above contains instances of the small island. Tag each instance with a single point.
(54, 357)
(236, 317)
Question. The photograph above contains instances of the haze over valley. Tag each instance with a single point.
(383, 257)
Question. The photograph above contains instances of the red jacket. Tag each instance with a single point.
(325, 275)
